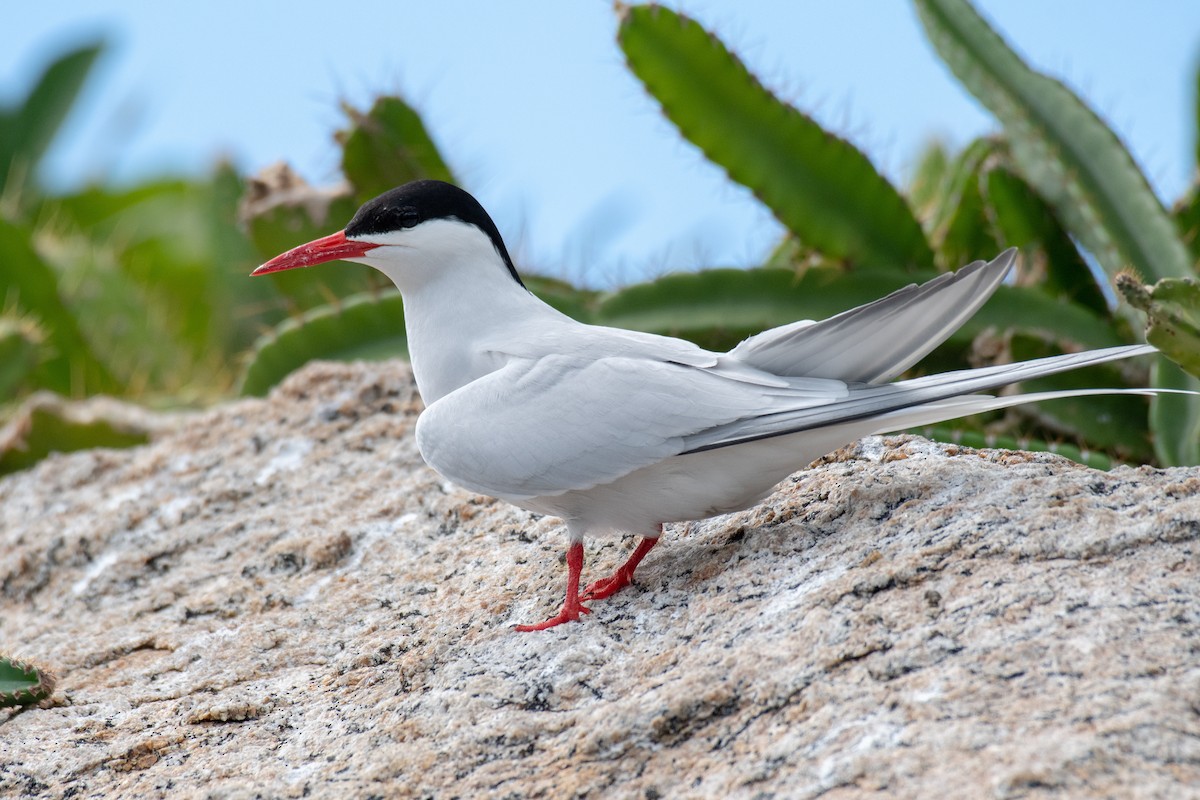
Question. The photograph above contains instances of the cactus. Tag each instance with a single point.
(1061, 147)
(386, 147)
(1172, 307)
(958, 224)
(27, 129)
(21, 340)
(33, 286)
(820, 187)
(1081, 169)
(367, 326)
(46, 423)
(22, 683)
(1022, 219)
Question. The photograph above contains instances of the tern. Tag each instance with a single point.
(617, 431)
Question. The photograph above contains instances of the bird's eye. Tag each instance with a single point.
(407, 217)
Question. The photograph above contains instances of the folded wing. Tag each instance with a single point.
(560, 423)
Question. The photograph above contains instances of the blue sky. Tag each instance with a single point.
(532, 105)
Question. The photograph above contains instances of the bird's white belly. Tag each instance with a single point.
(694, 486)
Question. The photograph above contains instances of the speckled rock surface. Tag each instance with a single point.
(279, 600)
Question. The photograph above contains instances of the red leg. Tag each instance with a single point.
(606, 587)
(572, 606)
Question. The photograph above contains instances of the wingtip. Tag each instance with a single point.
(1006, 259)
(1000, 265)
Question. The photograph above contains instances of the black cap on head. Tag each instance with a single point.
(420, 201)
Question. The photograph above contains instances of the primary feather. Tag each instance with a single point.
(877, 341)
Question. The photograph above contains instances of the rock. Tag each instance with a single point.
(278, 599)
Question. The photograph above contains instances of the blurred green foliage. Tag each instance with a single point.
(142, 292)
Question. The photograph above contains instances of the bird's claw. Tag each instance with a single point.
(607, 587)
(570, 613)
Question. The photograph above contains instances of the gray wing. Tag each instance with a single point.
(875, 342)
(932, 398)
(547, 426)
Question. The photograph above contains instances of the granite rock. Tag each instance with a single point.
(276, 598)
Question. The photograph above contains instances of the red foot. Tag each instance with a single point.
(568, 614)
(607, 587)
(572, 607)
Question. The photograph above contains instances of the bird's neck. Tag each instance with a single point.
(457, 326)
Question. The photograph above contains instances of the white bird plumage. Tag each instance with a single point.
(621, 431)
